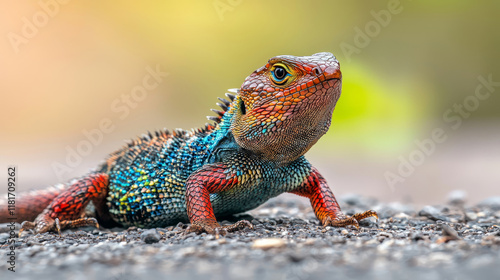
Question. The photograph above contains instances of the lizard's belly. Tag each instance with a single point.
(250, 195)
(243, 198)
(155, 203)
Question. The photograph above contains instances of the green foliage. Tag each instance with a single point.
(374, 114)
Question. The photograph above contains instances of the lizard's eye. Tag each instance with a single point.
(279, 74)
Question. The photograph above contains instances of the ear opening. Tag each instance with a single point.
(242, 107)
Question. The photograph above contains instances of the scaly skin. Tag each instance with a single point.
(254, 151)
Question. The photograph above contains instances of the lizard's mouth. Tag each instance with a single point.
(331, 83)
(330, 78)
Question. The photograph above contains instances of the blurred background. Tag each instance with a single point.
(409, 68)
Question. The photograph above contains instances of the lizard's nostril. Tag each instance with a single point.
(316, 71)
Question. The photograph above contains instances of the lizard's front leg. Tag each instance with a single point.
(211, 178)
(324, 203)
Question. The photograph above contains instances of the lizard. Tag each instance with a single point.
(253, 151)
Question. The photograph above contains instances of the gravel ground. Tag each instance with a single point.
(435, 242)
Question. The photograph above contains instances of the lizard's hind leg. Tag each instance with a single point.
(68, 208)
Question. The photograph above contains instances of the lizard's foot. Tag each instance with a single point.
(47, 224)
(343, 220)
(42, 224)
(212, 227)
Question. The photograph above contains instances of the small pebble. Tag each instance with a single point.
(150, 236)
(491, 202)
(457, 197)
(432, 213)
(268, 243)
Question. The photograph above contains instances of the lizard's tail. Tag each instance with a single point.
(26, 206)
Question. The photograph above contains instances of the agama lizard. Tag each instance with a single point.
(252, 152)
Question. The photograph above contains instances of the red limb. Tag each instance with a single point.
(324, 203)
(199, 186)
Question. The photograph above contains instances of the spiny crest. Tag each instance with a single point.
(135, 146)
(202, 130)
(224, 105)
(165, 134)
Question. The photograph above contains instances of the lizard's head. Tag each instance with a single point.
(284, 107)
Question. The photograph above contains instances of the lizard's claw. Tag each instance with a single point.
(343, 220)
(46, 224)
(212, 227)
(26, 225)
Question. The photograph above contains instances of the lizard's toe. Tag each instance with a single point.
(82, 222)
(239, 225)
(220, 231)
(364, 215)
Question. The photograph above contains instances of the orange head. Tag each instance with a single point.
(284, 107)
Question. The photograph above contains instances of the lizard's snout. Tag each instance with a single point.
(328, 66)
(332, 72)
